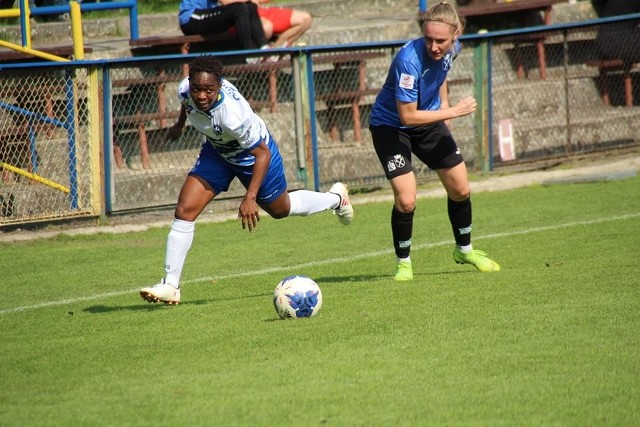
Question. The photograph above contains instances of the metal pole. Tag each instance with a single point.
(107, 142)
(422, 6)
(70, 126)
(25, 23)
(312, 121)
(297, 63)
(76, 30)
(482, 110)
(567, 112)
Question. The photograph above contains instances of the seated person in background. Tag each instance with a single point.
(207, 17)
(287, 25)
(620, 40)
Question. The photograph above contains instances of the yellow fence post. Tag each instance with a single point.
(76, 29)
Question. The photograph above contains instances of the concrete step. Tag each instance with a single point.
(335, 22)
(326, 16)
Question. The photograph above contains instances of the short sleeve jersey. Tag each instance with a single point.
(413, 77)
(230, 125)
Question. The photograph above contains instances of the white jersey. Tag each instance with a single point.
(230, 125)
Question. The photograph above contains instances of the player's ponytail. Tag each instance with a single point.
(446, 13)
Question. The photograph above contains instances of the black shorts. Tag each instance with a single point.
(432, 144)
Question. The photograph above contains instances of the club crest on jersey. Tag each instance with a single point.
(406, 81)
(217, 129)
(446, 62)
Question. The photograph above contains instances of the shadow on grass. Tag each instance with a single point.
(388, 277)
(327, 280)
(145, 306)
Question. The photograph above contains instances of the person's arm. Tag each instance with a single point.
(411, 116)
(248, 212)
(175, 131)
(444, 100)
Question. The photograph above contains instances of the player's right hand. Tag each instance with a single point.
(467, 105)
(173, 132)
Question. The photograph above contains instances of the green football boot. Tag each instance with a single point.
(477, 258)
(404, 272)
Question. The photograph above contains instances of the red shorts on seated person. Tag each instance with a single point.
(280, 17)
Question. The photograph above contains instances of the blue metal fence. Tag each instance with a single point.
(577, 121)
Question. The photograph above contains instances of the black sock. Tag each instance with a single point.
(401, 228)
(460, 218)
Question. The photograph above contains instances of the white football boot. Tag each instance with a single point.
(344, 211)
(162, 292)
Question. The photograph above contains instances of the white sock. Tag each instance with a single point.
(466, 248)
(408, 259)
(178, 244)
(305, 202)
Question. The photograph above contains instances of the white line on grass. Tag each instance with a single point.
(324, 262)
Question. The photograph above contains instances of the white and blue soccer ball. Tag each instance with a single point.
(296, 297)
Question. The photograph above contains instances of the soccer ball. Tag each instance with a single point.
(297, 296)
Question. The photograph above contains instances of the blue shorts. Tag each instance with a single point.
(219, 173)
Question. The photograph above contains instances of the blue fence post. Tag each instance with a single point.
(24, 24)
(69, 125)
(33, 149)
(107, 139)
(133, 20)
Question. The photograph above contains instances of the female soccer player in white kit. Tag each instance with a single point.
(411, 115)
(237, 145)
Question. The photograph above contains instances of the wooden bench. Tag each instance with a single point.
(609, 66)
(46, 90)
(350, 92)
(156, 45)
(62, 51)
(15, 148)
(182, 43)
(266, 71)
(40, 97)
(522, 13)
(140, 119)
(216, 42)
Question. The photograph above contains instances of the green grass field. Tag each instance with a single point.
(552, 339)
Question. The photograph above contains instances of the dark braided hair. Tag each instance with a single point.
(206, 64)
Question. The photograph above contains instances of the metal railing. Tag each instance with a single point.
(24, 12)
(97, 127)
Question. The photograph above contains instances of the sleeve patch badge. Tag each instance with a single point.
(406, 81)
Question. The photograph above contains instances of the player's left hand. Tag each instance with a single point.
(249, 214)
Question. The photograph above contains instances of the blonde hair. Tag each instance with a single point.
(445, 13)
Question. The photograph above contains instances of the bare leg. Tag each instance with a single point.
(404, 192)
(267, 26)
(279, 208)
(194, 197)
(300, 23)
(456, 182)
